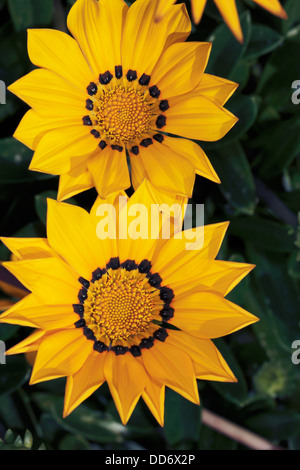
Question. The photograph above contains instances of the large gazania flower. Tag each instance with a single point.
(136, 313)
(119, 86)
(227, 9)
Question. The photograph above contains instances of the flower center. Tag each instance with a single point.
(123, 307)
(125, 111)
(123, 114)
(120, 305)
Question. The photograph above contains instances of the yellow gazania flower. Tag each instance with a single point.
(119, 85)
(227, 9)
(102, 309)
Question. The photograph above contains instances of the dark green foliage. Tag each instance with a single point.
(259, 166)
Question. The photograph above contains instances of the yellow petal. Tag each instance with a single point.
(207, 360)
(109, 171)
(138, 171)
(75, 182)
(208, 315)
(230, 14)
(197, 10)
(168, 170)
(180, 68)
(162, 8)
(31, 312)
(72, 233)
(60, 354)
(194, 153)
(97, 26)
(215, 88)
(33, 127)
(186, 263)
(197, 117)
(140, 225)
(274, 7)
(126, 379)
(84, 382)
(62, 150)
(145, 39)
(58, 52)
(48, 278)
(50, 95)
(171, 366)
(154, 397)
(223, 276)
(29, 344)
(29, 248)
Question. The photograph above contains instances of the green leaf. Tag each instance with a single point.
(276, 425)
(269, 235)
(263, 40)
(40, 203)
(31, 13)
(7, 331)
(233, 392)
(280, 146)
(91, 424)
(182, 419)
(237, 184)
(280, 294)
(281, 70)
(14, 162)
(227, 51)
(13, 374)
(292, 8)
(70, 442)
(212, 440)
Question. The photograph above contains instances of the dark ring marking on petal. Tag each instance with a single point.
(146, 142)
(129, 265)
(167, 313)
(114, 263)
(145, 266)
(131, 75)
(135, 351)
(80, 323)
(88, 333)
(89, 105)
(119, 148)
(161, 121)
(135, 150)
(154, 280)
(164, 105)
(87, 121)
(118, 71)
(82, 295)
(144, 80)
(97, 274)
(95, 133)
(119, 350)
(160, 334)
(102, 144)
(147, 343)
(166, 294)
(154, 91)
(92, 89)
(159, 138)
(100, 347)
(84, 282)
(105, 78)
(79, 309)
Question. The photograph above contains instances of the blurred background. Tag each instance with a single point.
(258, 163)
